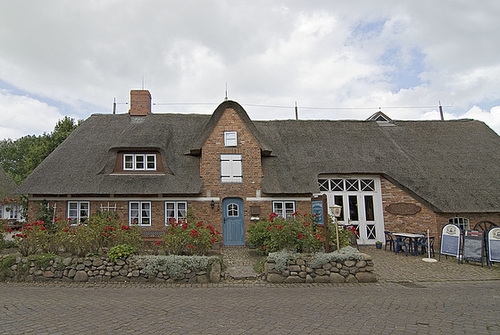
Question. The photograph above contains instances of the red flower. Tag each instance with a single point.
(280, 227)
(43, 228)
(264, 247)
(158, 242)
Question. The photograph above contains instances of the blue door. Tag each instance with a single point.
(233, 225)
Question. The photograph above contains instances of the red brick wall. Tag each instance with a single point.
(418, 223)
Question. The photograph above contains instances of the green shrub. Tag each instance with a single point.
(5, 264)
(175, 265)
(121, 251)
(346, 253)
(42, 260)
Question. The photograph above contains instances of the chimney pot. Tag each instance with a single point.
(140, 103)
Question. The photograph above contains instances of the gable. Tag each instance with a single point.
(200, 140)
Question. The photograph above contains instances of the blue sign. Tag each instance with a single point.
(317, 210)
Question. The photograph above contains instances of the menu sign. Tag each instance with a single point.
(494, 245)
(473, 249)
(450, 240)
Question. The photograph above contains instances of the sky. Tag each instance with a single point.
(333, 59)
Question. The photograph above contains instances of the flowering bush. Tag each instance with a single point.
(101, 230)
(295, 233)
(184, 237)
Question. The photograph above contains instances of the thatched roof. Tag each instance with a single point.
(7, 185)
(452, 166)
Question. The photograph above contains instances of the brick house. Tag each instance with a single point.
(10, 210)
(229, 170)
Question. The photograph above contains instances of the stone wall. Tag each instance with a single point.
(101, 269)
(303, 269)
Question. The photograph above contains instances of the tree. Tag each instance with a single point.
(20, 157)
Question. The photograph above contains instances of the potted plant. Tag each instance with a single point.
(378, 244)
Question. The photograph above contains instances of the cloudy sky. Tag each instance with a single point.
(336, 59)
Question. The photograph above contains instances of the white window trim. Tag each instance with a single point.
(283, 203)
(140, 218)
(176, 211)
(135, 162)
(79, 217)
(231, 168)
(228, 140)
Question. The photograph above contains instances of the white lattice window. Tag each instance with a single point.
(231, 138)
(139, 162)
(284, 208)
(175, 210)
(78, 211)
(140, 213)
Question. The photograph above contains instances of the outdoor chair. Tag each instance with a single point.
(422, 243)
(399, 243)
(389, 239)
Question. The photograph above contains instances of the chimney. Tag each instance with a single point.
(140, 103)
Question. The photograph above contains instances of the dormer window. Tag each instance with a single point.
(230, 138)
(139, 162)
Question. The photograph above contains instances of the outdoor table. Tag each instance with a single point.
(412, 238)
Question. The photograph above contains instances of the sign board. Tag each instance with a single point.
(473, 248)
(320, 210)
(317, 210)
(494, 244)
(450, 240)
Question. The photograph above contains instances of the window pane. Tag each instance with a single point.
(278, 208)
(337, 184)
(230, 138)
(339, 200)
(367, 185)
(351, 184)
(289, 208)
(353, 208)
(232, 210)
(323, 184)
(151, 162)
(128, 162)
(182, 210)
(369, 208)
(139, 162)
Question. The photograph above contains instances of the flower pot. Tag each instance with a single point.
(378, 245)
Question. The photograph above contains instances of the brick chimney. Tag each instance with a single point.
(140, 103)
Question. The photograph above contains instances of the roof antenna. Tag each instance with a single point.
(225, 98)
(114, 105)
(296, 111)
(441, 111)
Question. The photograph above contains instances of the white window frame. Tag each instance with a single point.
(140, 162)
(81, 214)
(144, 212)
(179, 212)
(284, 208)
(230, 138)
(231, 168)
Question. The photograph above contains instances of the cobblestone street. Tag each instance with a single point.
(411, 297)
(387, 308)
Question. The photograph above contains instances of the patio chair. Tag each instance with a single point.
(422, 243)
(399, 243)
(389, 239)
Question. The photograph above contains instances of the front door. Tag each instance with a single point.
(233, 225)
(361, 202)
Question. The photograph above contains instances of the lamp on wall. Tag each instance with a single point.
(212, 204)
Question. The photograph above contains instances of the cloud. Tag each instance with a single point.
(22, 116)
(78, 56)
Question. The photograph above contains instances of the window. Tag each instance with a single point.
(231, 138)
(231, 168)
(139, 162)
(78, 211)
(175, 210)
(463, 223)
(284, 208)
(140, 213)
(233, 210)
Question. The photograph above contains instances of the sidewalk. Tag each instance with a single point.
(390, 267)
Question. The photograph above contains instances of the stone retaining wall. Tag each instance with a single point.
(299, 270)
(102, 269)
